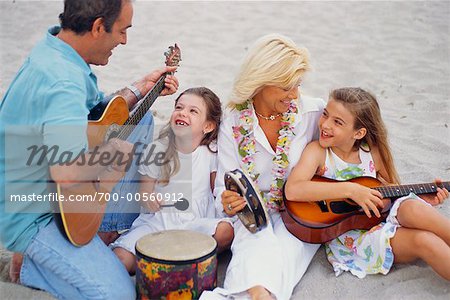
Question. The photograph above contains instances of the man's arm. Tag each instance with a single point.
(88, 167)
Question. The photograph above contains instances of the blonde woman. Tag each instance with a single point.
(268, 126)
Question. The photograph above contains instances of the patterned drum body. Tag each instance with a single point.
(175, 264)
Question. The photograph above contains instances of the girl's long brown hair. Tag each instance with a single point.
(364, 106)
(171, 164)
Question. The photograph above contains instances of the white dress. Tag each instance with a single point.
(272, 257)
(192, 182)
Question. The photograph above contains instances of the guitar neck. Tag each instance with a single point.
(396, 191)
(142, 108)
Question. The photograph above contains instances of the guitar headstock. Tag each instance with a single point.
(173, 56)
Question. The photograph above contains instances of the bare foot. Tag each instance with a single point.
(15, 266)
(108, 237)
(260, 293)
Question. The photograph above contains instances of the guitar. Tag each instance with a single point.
(79, 221)
(321, 221)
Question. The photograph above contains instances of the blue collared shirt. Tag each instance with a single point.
(47, 104)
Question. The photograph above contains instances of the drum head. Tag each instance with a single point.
(254, 215)
(176, 245)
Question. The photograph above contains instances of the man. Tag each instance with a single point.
(47, 104)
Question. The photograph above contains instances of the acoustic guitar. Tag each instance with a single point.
(321, 221)
(79, 221)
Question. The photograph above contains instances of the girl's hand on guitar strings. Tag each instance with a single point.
(369, 199)
(436, 198)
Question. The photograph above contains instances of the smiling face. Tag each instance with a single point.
(272, 100)
(189, 118)
(105, 42)
(336, 127)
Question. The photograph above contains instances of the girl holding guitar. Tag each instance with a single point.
(353, 143)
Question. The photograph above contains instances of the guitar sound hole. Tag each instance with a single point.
(342, 207)
(112, 132)
(113, 135)
(323, 206)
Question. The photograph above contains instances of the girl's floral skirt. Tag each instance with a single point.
(365, 252)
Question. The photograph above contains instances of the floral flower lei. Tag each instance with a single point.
(243, 134)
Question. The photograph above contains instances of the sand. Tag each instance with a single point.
(398, 50)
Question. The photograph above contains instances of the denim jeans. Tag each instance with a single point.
(120, 214)
(53, 264)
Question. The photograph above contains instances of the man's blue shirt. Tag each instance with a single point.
(47, 104)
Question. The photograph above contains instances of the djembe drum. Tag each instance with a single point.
(175, 264)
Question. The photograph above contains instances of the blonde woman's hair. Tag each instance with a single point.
(273, 60)
(364, 107)
(171, 164)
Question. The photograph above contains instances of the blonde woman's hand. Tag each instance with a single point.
(436, 198)
(369, 199)
(232, 202)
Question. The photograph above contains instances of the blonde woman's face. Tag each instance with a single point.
(189, 117)
(274, 99)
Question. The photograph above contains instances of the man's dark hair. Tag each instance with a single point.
(79, 15)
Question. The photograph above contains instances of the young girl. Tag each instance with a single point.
(353, 143)
(188, 142)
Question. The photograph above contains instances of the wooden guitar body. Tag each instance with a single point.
(114, 115)
(321, 221)
(79, 220)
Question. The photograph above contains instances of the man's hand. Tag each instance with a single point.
(125, 150)
(146, 84)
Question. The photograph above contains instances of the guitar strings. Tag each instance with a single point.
(133, 120)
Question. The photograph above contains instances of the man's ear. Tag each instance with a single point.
(98, 27)
(360, 133)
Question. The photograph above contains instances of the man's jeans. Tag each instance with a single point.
(93, 271)
(121, 214)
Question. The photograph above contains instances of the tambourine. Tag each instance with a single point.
(254, 215)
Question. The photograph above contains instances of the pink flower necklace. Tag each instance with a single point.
(243, 134)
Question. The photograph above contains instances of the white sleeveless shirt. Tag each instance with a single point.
(336, 168)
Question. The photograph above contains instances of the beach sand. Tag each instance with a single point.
(398, 50)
